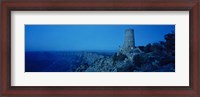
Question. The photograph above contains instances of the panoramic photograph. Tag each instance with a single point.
(99, 48)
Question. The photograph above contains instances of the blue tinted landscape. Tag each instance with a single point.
(99, 48)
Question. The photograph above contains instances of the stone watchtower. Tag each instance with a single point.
(129, 40)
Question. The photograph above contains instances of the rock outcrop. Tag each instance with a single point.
(156, 57)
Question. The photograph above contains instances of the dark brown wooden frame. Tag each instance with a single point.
(99, 5)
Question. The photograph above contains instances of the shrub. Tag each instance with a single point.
(139, 60)
(119, 57)
(147, 48)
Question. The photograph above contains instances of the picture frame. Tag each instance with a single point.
(193, 90)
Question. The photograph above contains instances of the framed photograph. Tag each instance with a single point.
(140, 48)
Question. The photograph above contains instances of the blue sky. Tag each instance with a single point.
(89, 37)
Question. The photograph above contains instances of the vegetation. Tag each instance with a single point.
(119, 57)
(157, 56)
